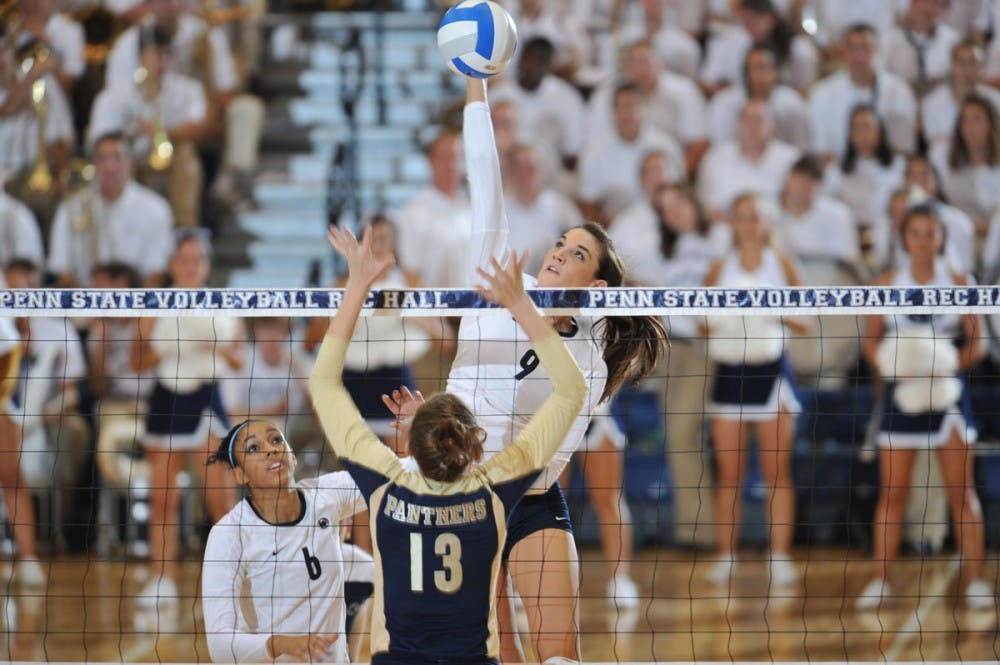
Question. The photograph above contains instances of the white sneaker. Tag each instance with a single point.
(783, 570)
(623, 592)
(29, 573)
(979, 595)
(722, 570)
(158, 591)
(872, 595)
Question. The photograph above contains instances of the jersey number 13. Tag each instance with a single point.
(449, 548)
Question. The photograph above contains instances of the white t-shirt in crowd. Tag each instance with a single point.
(866, 189)
(121, 108)
(20, 237)
(551, 113)
(261, 388)
(975, 190)
(939, 110)
(136, 229)
(116, 337)
(434, 234)
(609, 167)
(825, 231)
(124, 57)
(65, 36)
(676, 108)
(726, 172)
(833, 98)
(19, 131)
(790, 111)
(834, 16)
(903, 51)
(535, 226)
(726, 51)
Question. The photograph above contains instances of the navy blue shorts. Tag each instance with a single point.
(367, 388)
(184, 420)
(749, 385)
(536, 512)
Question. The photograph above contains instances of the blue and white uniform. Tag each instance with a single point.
(186, 404)
(898, 429)
(496, 371)
(752, 381)
(261, 579)
(437, 545)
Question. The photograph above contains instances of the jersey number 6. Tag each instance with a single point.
(449, 548)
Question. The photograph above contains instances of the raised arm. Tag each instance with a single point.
(489, 216)
(539, 441)
(351, 438)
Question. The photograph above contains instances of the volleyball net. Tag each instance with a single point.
(772, 382)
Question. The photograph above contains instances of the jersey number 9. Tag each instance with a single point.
(449, 548)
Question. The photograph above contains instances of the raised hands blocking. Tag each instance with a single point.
(364, 269)
(506, 285)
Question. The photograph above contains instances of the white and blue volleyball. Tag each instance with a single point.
(477, 38)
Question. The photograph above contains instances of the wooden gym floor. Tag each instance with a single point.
(87, 613)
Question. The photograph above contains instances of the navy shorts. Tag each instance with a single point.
(367, 388)
(536, 512)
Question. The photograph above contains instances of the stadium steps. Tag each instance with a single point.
(306, 123)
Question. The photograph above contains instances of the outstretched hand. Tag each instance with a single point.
(362, 265)
(403, 404)
(505, 286)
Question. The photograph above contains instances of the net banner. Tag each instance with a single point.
(621, 301)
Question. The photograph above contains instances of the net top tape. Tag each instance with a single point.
(621, 301)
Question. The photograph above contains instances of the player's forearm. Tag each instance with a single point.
(489, 217)
(343, 322)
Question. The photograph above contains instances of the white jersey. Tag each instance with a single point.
(188, 348)
(944, 325)
(495, 371)
(261, 579)
(748, 339)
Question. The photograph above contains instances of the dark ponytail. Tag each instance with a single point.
(632, 344)
(445, 438)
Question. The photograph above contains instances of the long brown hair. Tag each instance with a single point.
(445, 438)
(632, 344)
(958, 151)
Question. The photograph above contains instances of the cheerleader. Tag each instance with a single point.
(439, 531)
(27, 570)
(751, 387)
(925, 407)
(186, 415)
(280, 549)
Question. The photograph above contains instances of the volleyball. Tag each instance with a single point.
(477, 38)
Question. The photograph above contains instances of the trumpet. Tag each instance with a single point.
(161, 153)
(40, 181)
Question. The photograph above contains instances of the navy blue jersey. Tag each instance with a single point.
(439, 557)
(437, 545)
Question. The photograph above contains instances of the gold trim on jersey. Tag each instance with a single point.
(380, 636)
(493, 637)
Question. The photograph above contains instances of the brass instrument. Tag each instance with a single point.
(161, 153)
(40, 181)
